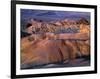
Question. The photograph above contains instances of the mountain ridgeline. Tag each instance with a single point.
(34, 26)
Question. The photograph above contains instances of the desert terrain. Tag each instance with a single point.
(64, 43)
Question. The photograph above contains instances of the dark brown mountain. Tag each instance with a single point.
(83, 21)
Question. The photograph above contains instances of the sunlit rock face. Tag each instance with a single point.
(48, 51)
(44, 51)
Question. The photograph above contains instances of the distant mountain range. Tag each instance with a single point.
(50, 15)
